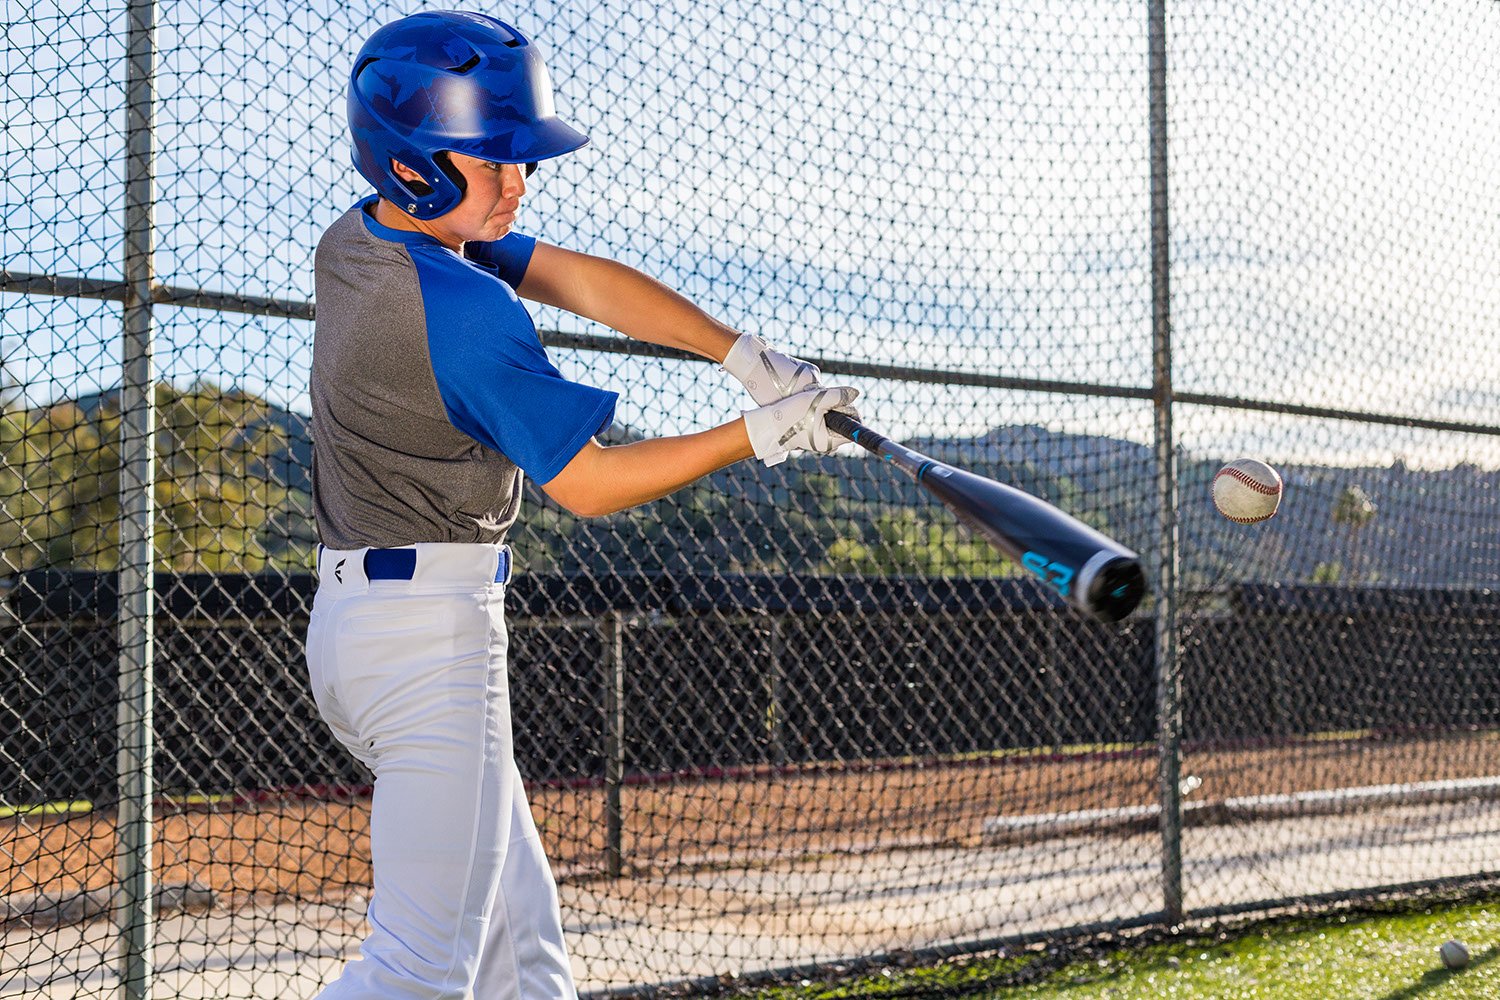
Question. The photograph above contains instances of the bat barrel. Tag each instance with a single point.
(1087, 568)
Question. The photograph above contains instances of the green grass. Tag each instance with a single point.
(1353, 956)
(78, 807)
(63, 808)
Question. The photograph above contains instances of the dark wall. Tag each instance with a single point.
(1283, 661)
(726, 672)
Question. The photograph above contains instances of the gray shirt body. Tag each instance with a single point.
(431, 390)
(389, 468)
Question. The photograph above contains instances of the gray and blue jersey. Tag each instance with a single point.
(431, 392)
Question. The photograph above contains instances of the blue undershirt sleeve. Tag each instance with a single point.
(496, 381)
(506, 258)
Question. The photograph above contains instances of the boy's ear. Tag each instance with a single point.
(411, 178)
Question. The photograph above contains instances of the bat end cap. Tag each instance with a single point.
(1115, 589)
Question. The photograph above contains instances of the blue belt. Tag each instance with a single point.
(401, 564)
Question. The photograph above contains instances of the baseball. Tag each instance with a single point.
(1247, 491)
(1455, 954)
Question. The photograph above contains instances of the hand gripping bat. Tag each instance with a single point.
(1088, 569)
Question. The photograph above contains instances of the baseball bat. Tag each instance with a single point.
(1086, 568)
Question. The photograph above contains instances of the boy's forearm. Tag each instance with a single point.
(649, 470)
(604, 481)
(644, 309)
(626, 300)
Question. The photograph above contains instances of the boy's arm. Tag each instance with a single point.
(598, 480)
(602, 480)
(624, 299)
(644, 309)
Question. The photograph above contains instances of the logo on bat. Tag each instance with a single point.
(1053, 574)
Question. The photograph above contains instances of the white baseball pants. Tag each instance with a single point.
(411, 677)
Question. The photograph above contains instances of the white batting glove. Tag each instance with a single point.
(796, 423)
(769, 375)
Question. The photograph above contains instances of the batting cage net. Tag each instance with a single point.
(789, 717)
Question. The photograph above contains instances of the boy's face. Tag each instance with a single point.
(490, 202)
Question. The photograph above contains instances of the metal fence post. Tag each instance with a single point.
(134, 856)
(774, 681)
(1168, 679)
(614, 743)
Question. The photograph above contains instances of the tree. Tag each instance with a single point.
(59, 472)
(219, 508)
(903, 542)
(1353, 510)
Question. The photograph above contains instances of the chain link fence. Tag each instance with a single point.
(787, 718)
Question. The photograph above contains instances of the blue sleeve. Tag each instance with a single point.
(506, 258)
(496, 381)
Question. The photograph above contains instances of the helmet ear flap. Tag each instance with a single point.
(445, 163)
(419, 188)
(423, 199)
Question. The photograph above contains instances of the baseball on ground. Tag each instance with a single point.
(1247, 491)
(1454, 953)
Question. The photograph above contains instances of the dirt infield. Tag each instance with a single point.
(302, 848)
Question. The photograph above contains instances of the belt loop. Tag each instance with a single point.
(345, 575)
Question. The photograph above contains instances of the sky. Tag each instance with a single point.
(949, 185)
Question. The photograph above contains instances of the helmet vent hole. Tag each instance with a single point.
(362, 66)
(512, 39)
(468, 65)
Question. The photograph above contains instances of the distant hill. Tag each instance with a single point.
(292, 467)
(1091, 461)
(1430, 527)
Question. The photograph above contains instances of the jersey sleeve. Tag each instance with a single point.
(506, 258)
(497, 384)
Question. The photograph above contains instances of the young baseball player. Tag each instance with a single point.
(432, 397)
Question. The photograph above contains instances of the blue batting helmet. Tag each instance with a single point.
(449, 81)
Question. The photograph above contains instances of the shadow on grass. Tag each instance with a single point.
(1433, 978)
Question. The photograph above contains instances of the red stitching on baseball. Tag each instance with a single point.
(1254, 484)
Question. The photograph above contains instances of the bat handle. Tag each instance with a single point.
(842, 423)
(912, 463)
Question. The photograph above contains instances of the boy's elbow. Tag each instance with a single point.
(577, 487)
(592, 507)
(585, 502)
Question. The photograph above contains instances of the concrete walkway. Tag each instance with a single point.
(690, 924)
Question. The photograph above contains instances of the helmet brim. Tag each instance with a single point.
(540, 140)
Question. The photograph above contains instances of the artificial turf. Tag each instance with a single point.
(1365, 955)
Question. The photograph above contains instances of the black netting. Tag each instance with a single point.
(791, 715)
